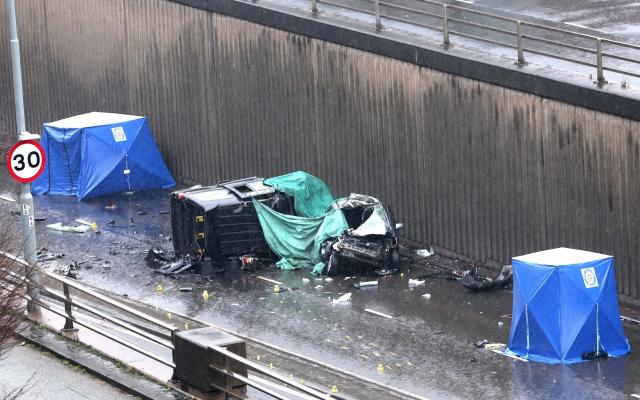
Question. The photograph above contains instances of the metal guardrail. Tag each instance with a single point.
(275, 387)
(69, 302)
(523, 36)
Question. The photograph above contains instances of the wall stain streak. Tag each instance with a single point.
(484, 171)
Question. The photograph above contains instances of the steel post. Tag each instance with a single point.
(376, 10)
(68, 321)
(519, 43)
(600, 70)
(445, 26)
(314, 7)
(26, 200)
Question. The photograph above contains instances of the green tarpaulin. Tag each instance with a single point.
(297, 239)
(312, 196)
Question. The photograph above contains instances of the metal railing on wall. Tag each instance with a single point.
(522, 36)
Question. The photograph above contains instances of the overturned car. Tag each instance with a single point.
(293, 217)
(211, 224)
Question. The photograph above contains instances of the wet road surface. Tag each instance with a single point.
(619, 17)
(425, 348)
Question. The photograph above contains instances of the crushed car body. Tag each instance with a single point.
(293, 217)
(370, 240)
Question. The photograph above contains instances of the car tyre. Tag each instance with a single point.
(394, 258)
(333, 265)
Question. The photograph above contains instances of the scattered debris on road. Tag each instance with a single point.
(359, 285)
(477, 283)
(70, 271)
(378, 313)
(345, 298)
(48, 256)
(73, 229)
(424, 253)
(413, 283)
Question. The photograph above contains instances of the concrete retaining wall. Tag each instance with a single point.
(486, 171)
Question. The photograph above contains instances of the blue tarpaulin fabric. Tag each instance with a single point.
(565, 304)
(88, 156)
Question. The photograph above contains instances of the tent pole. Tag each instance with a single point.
(526, 315)
(597, 329)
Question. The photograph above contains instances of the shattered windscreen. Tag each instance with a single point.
(377, 224)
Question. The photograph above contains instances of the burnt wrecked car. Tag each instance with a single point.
(371, 239)
(214, 224)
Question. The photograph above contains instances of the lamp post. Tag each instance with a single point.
(26, 200)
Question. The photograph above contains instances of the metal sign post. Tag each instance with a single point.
(26, 200)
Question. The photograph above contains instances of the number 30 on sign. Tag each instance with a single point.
(26, 160)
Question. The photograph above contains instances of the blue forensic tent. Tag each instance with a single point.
(95, 154)
(565, 303)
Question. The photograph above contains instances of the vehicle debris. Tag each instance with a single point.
(424, 253)
(345, 298)
(385, 271)
(378, 313)
(269, 280)
(155, 256)
(49, 256)
(70, 270)
(476, 283)
(176, 267)
(73, 229)
(413, 283)
(359, 285)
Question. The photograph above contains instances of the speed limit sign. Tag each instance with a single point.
(25, 161)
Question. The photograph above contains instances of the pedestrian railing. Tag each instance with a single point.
(162, 336)
(600, 53)
(274, 384)
(277, 386)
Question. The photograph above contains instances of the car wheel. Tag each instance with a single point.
(394, 258)
(333, 265)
